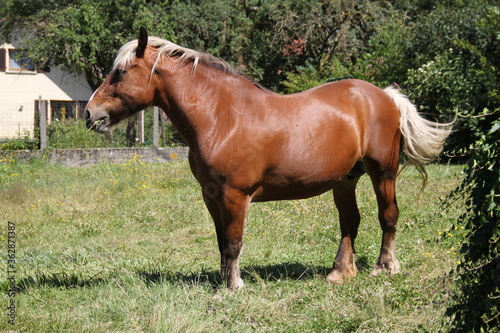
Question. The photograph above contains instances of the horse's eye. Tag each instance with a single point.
(117, 76)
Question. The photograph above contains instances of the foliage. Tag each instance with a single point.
(4, 4)
(477, 305)
(72, 133)
(167, 135)
(291, 45)
(221, 28)
(453, 67)
(442, 54)
(308, 76)
(81, 36)
(384, 63)
(24, 141)
(326, 29)
(18, 144)
(449, 83)
(448, 22)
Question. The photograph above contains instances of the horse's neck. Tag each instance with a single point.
(197, 105)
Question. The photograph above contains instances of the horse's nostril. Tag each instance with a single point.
(88, 120)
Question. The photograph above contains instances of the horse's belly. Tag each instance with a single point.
(271, 192)
(302, 179)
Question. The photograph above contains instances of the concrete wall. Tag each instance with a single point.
(88, 157)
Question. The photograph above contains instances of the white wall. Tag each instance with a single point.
(19, 91)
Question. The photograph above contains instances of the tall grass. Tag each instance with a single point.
(131, 248)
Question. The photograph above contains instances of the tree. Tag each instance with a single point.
(319, 39)
(291, 45)
(329, 29)
(384, 62)
(4, 4)
(218, 27)
(81, 36)
(458, 71)
(269, 39)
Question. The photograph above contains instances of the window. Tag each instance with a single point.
(62, 110)
(18, 62)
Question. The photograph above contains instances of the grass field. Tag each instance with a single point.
(131, 248)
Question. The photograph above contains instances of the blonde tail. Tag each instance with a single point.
(423, 139)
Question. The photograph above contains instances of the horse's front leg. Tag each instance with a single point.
(228, 210)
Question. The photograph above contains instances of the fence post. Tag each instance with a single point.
(155, 127)
(42, 109)
(141, 127)
(162, 124)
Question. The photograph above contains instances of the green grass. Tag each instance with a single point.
(131, 248)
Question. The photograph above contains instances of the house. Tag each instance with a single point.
(21, 85)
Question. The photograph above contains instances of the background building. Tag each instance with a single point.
(21, 85)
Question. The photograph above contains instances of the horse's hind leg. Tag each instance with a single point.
(345, 200)
(384, 183)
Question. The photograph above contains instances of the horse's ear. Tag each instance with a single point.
(142, 43)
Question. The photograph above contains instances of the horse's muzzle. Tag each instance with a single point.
(99, 125)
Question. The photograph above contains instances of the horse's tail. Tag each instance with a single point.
(423, 140)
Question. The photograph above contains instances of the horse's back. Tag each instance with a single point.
(374, 112)
(356, 110)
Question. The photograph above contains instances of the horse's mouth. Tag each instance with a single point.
(101, 125)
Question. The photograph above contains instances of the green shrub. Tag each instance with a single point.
(19, 144)
(24, 141)
(308, 76)
(477, 305)
(385, 62)
(72, 133)
(454, 83)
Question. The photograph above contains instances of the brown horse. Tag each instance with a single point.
(250, 144)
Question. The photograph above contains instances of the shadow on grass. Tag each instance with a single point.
(268, 273)
(59, 280)
(154, 275)
(363, 263)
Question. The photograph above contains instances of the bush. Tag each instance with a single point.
(24, 141)
(384, 62)
(477, 305)
(308, 76)
(19, 144)
(72, 133)
(453, 83)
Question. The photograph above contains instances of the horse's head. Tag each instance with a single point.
(126, 90)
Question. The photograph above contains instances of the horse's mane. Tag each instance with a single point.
(164, 48)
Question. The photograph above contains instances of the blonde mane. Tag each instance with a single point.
(164, 49)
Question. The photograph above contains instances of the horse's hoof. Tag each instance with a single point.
(376, 271)
(336, 278)
(236, 285)
(394, 268)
